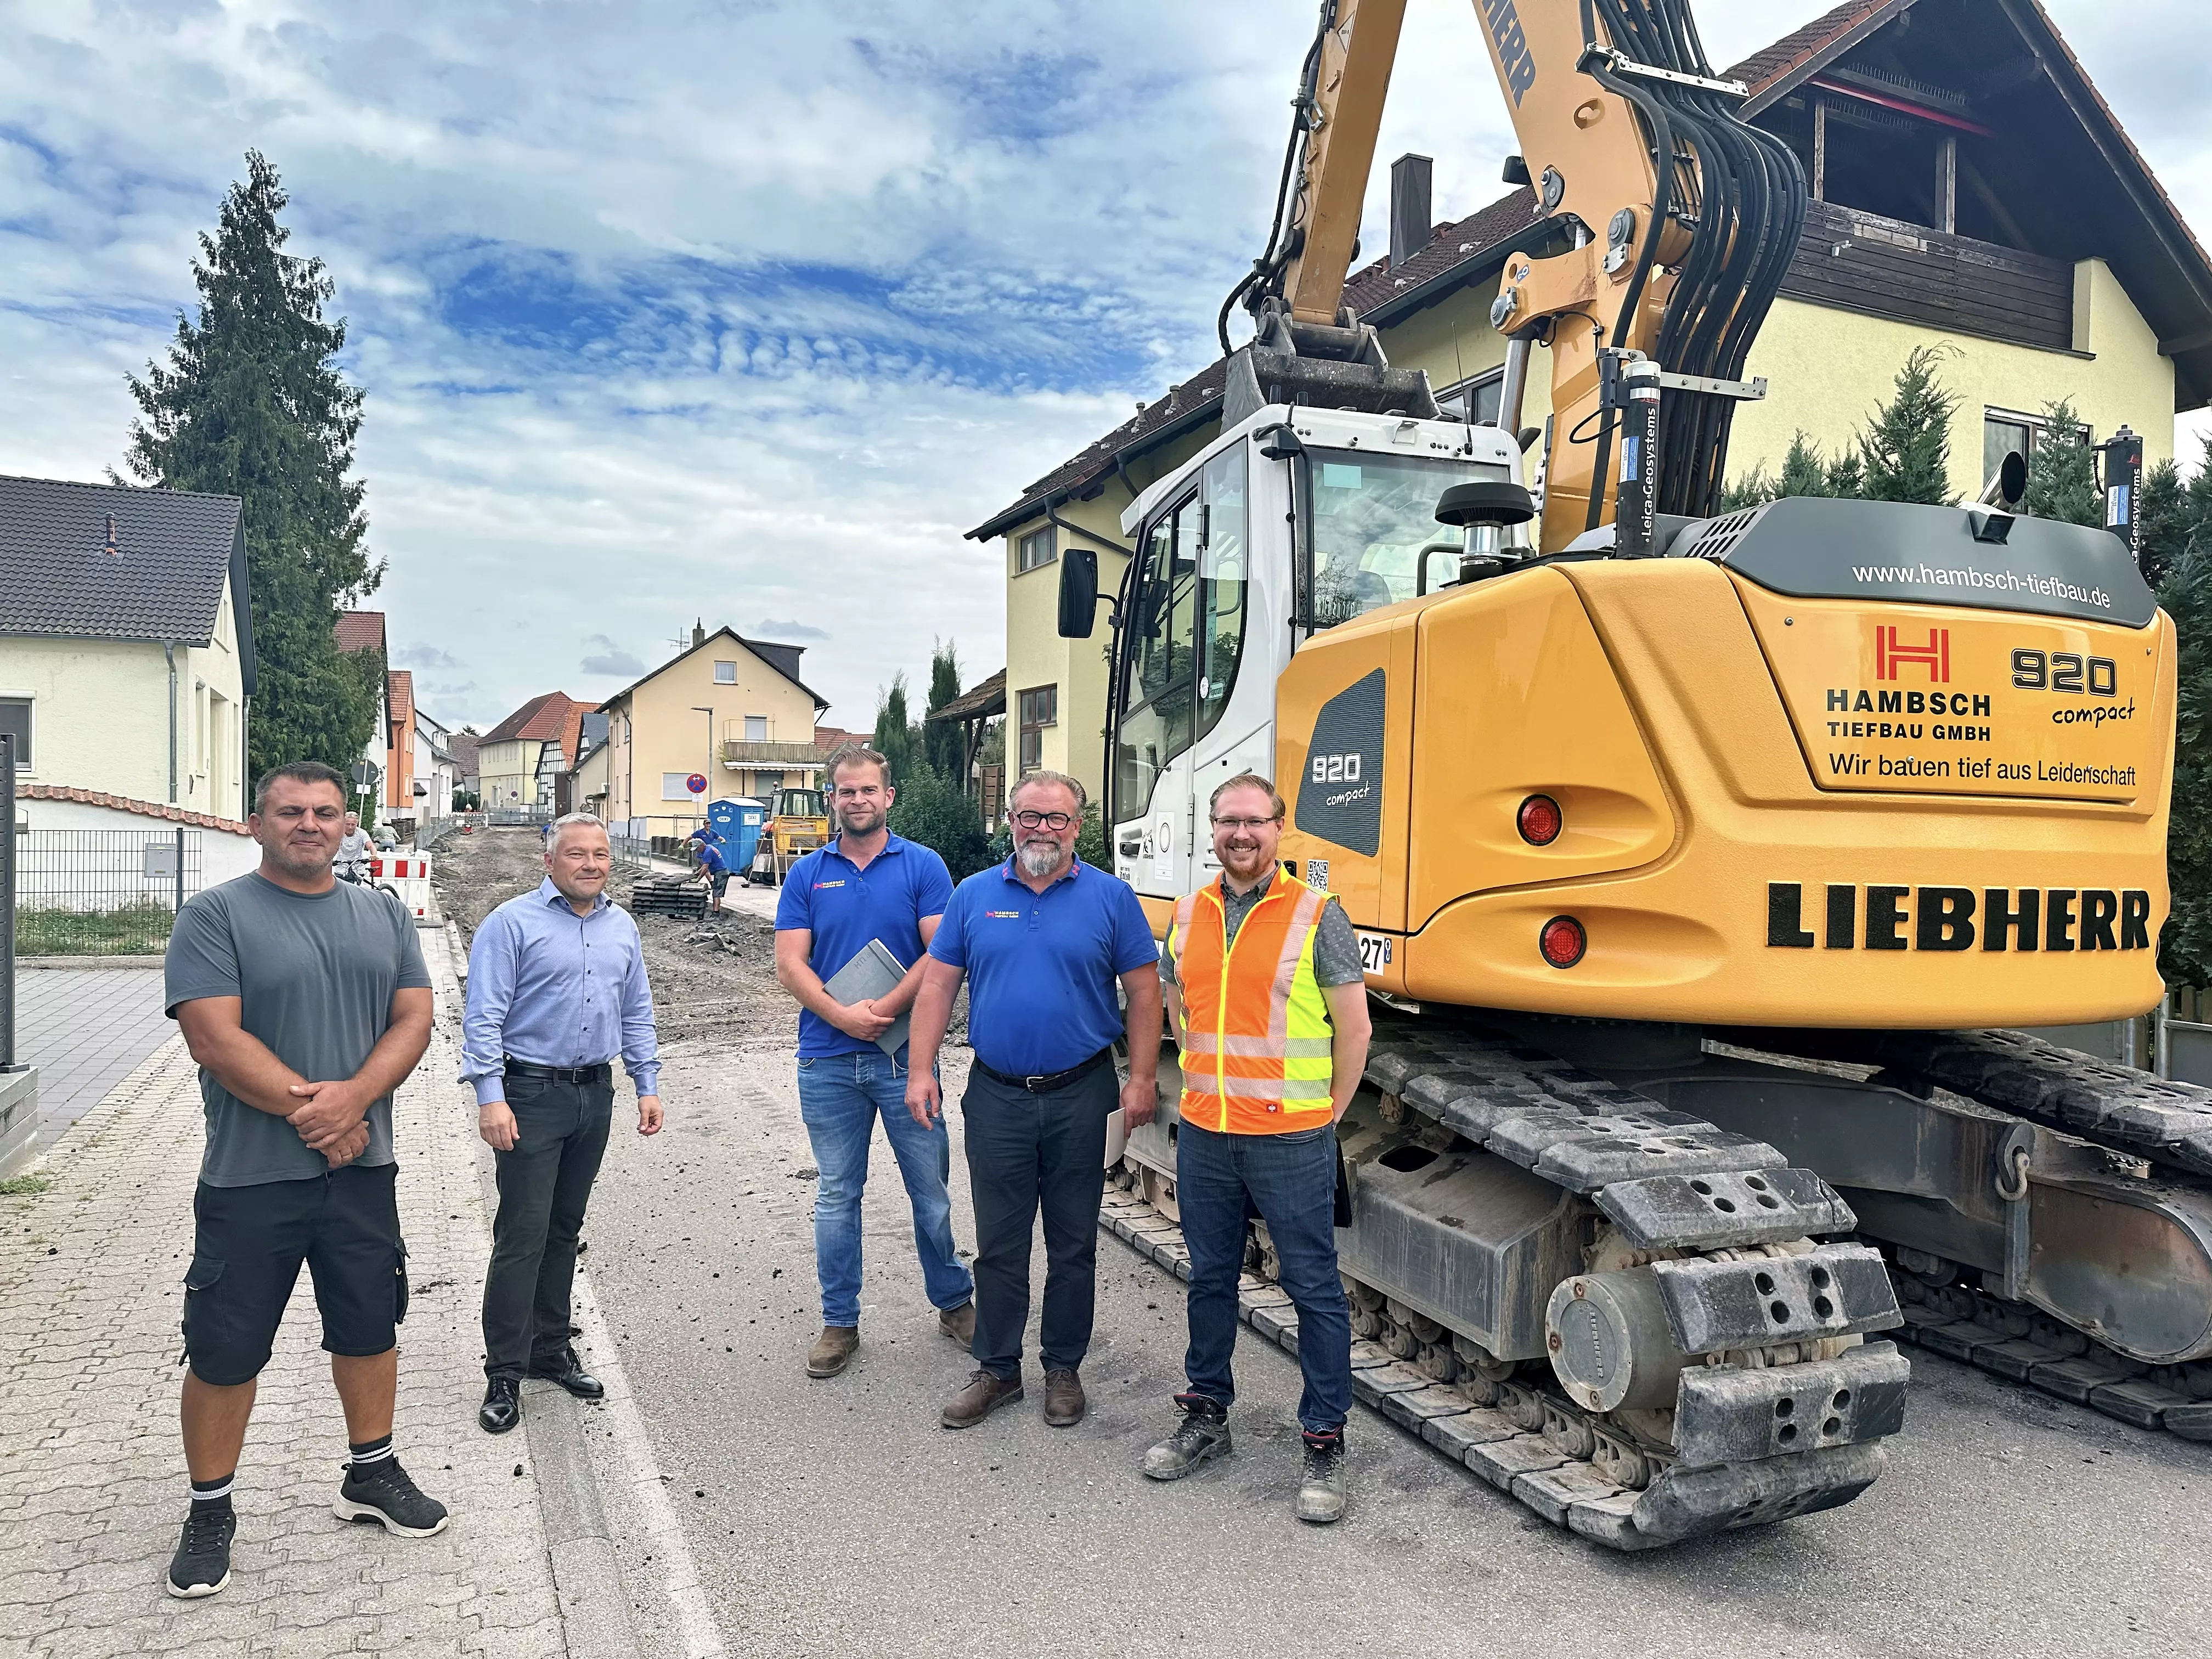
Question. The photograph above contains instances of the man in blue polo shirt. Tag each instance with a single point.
(713, 864)
(867, 883)
(1042, 939)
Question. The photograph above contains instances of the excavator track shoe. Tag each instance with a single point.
(1733, 1414)
(1833, 1290)
(1721, 1208)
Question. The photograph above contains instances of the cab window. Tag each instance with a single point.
(1373, 519)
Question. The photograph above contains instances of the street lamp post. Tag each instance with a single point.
(709, 713)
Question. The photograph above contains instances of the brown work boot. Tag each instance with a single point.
(984, 1395)
(1063, 1398)
(833, 1350)
(958, 1323)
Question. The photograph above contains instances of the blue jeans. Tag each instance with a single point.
(840, 1098)
(1291, 1180)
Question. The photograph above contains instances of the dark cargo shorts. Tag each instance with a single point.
(246, 1252)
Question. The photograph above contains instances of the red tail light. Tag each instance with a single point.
(1563, 941)
(1541, 820)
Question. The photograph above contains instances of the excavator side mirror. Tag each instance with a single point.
(1078, 593)
(1280, 444)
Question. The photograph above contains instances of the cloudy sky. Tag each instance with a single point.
(741, 310)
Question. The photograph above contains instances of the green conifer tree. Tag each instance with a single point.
(1802, 471)
(895, 738)
(1904, 454)
(251, 403)
(2061, 471)
(2164, 522)
(2185, 946)
(1844, 477)
(941, 741)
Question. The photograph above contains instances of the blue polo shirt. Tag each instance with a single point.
(844, 907)
(1042, 966)
(711, 859)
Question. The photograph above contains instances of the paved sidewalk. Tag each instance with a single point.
(85, 1029)
(92, 1477)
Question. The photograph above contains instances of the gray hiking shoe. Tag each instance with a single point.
(1202, 1436)
(1321, 1490)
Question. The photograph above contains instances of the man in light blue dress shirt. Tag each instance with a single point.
(556, 988)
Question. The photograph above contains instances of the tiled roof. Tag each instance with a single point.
(360, 630)
(462, 746)
(1804, 47)
(126, 803)
(539, 720)
(827, 738)
(1462, 242)
(111, 562)
(985, 698)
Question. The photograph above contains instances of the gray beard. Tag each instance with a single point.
(1039, 858)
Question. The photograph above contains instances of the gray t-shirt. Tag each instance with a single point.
(315, 974)
(1336, 947)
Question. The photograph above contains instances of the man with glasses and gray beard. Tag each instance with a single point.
(1041, 939)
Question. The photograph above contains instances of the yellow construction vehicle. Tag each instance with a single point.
(1704, 864)
(798, 822)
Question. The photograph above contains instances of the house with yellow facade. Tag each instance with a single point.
(520, 761)
(1972, 193)
(126, 645)
(727, 708)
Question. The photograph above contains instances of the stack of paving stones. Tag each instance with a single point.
(92, 1477)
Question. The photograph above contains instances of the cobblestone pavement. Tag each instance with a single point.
(92, 1477)
(85, 1029)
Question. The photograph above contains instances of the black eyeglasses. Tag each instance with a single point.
(1247, 824)
(1055, 822)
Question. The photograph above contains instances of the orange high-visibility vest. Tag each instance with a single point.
(1257, 1043)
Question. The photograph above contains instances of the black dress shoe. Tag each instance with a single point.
(502, 1406)
(569, 1374)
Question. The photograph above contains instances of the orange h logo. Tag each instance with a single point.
(1935, 656)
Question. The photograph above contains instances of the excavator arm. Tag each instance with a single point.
(1665, 225)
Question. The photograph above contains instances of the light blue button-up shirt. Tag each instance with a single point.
(555, 988)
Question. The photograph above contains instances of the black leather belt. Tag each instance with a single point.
(1051, 1080)
(602, 1072)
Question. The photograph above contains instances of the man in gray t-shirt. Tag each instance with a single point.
(305, 1002)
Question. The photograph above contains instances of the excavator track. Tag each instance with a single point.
(2129, 1114)
(1781, 1412)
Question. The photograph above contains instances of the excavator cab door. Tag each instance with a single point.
(1155, 697)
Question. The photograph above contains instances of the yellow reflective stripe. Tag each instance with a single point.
(1259, 1048)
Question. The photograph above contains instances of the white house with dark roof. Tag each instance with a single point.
(126, 644)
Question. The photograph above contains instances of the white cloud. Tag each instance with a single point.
(649, 334)
(790, 632)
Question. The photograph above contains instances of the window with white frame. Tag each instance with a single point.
(726, 673)
(756, 728)
(675, 786)
(1035, 549)
(2008, 431)
(15, 721)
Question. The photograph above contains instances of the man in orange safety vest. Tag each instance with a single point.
(1268, 1004)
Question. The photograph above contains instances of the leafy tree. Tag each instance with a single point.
(2061, 471)
(2164, 523)
(1803, 472)
(1904, 454)
(941, 742)
(251, 403)
(933, 810)
(895, 740)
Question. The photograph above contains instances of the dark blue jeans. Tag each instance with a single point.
(1290, 1180)
(840, 1098)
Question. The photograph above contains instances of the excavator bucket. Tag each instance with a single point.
(1258, 377)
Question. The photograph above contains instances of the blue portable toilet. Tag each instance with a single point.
(738, 820)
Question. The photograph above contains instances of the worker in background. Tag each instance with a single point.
(306, 1002)
(865, 884)
(1270, 1061)
(353, 851)
(713, 865)
(557, 990)
(1041, 939)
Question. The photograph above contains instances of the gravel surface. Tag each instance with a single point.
(712, 979)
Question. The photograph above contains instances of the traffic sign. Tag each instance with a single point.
(366, 775)
(696, 783)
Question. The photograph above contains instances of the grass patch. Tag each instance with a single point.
(129, 930)
(24, 1186)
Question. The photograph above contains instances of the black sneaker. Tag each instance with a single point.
(384, 1492)
(201, 1565)
(1202, 1435)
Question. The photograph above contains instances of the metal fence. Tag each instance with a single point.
(101, 892)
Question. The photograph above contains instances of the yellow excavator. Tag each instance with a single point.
(1705, 867)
